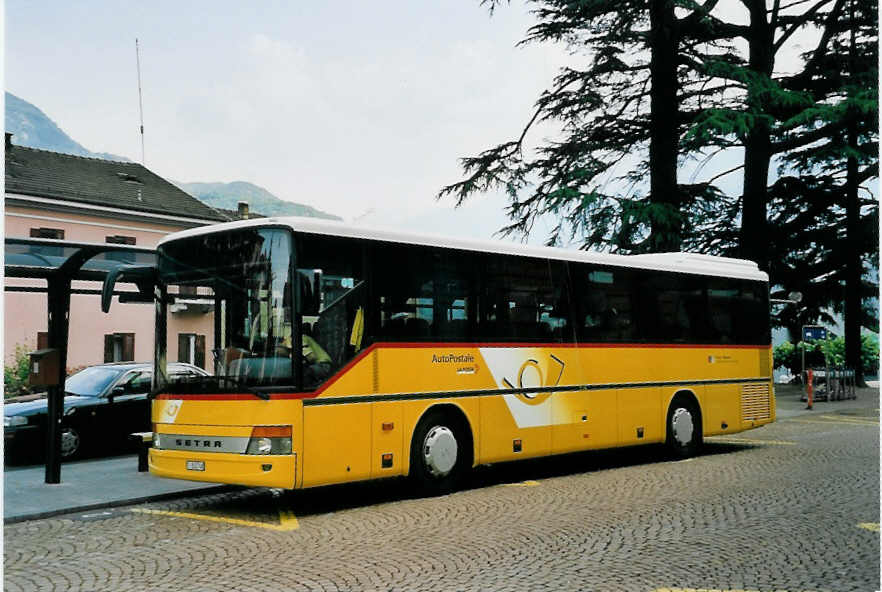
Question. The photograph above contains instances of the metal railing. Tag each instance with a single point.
(833, 384)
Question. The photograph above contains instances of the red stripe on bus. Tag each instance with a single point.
(417, 345)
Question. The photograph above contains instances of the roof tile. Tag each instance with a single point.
(126, 185)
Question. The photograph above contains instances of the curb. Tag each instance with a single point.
(119, 503)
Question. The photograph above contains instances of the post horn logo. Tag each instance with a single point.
(170, 411)
(531, 376)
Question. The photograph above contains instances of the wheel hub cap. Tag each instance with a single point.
(439, 451)
(682, 425)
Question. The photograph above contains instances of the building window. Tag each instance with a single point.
(191, 349)
(56, 233)
(121, 240)
(42, 340)
(119, 347)
(122, 257)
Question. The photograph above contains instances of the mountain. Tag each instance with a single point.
(33, 128)
(260, 201)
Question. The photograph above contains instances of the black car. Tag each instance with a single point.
(102, 406)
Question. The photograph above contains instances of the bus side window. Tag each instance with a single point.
(722, 303)
(606, 304)
(404, 292)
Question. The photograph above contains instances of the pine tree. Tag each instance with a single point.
(626, 104)
(843, 82)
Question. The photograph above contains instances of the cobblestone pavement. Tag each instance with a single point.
(793, 506)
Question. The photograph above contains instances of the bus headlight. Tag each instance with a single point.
(270, 440)
(264, 446)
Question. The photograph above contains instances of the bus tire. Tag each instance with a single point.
(683, 427)
(440, 453)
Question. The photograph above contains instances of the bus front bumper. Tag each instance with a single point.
(237, 469)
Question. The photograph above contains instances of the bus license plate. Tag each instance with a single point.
(195, 465)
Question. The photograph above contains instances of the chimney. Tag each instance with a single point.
(243, 210)
(8, 140)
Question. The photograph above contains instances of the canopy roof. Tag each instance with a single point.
(44, 258)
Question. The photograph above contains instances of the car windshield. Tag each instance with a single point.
(91, 382)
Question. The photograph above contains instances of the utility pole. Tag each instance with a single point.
(140, 103)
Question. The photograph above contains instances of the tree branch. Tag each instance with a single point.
(773, 22)
(724, 173)
(798, 23)
(821, 49)
(808, 137)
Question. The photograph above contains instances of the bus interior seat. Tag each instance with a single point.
(394, 327)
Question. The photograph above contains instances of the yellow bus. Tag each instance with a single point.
(343, 354)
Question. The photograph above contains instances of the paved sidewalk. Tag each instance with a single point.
(103, 483)
(789, 404)
(85, 485)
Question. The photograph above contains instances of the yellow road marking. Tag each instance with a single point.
(751, 441)
(704, 590)
(287, 520)
(522, 484)
(829, 422)
(851, 419)
(871, 526)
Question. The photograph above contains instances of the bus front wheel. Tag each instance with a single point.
(439, 453)
(684, 427)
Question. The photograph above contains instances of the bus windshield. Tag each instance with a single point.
(244, 277)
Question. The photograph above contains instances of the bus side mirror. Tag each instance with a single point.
(309, 283)
(143, 277)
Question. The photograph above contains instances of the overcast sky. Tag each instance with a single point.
(361, 109)
(351, 107)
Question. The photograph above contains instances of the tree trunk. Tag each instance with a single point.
(664, 194)
(852, 264)
(757, 144)
(853, 269)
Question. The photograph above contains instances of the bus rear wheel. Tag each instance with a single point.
(439, 454)
(683, 428)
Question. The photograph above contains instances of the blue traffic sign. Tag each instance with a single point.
(814, 333)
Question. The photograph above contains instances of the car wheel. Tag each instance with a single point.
(71, 443)
(684, 428)
(440, 454)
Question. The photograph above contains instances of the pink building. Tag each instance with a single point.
(52, 195)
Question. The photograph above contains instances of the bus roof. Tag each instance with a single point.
(675, 262)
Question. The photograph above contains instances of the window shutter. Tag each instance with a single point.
(108, 348)
(128, 348)
(56, 233)
(42, 340)
(183, 347)
(200, 351)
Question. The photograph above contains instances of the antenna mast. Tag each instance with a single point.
(140, 103)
